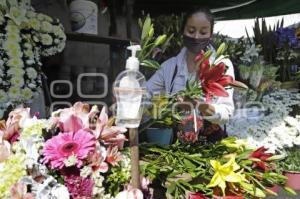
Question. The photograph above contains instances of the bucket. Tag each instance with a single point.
(160, 136)
(293, 180)
(84, 16)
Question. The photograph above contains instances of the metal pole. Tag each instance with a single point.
(134, 153)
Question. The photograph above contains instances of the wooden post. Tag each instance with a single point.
(134, 154)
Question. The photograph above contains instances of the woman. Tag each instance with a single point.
(197, 29)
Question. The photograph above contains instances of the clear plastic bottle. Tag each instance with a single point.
(129, 91)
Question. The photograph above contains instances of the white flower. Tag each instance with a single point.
(33, 127)
(14, 53)
(30, 62)
(27, 93)
(61, 46)
(35, 38)
(297, 140)
(14, 37)
(46, 27)
(32, 85)
(12, 28)
(16, 71)
(86, 171)
(43, 17)
(17, 14)
(3, 97)
(56, 41)
(28, 45)
(10, 45)
(291, 121)
(29, 53)
(16, 62)
(17, 81)
(14, 92)
(34, 24)
(57, 30)
(46, 39)
(30, 14)
(71, 161)
(60, 192)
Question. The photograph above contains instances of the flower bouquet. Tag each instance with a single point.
(25, 37)
(76, 153)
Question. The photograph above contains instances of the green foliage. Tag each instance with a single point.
(118, 176)
(186, 168)
(170, 25)
(292, 160)
(235, 47)
(264, 36)
(161, 112)
(151, 44)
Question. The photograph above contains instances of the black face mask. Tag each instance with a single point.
(195, 45)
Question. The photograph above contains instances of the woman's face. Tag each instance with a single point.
(198, 26)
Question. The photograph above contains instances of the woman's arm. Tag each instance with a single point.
(160, 81)
(156, 83)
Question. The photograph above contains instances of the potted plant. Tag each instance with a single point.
(159, 121)
(291, 167)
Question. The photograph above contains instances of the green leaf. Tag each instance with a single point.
(221, 50)
(160, 40)
(251, 189)
(171, 188)
(290, 191)
(152, 64)
(185, 184)
(189, 164)
(151, 32)
(165, 45)
(146, 27)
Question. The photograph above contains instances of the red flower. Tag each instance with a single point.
(213, 80)
(212, 77)
(261, 154)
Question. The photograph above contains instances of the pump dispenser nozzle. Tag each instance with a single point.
(132, 62)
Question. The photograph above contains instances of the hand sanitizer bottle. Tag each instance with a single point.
(129, 91)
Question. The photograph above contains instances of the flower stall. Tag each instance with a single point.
(85, 151)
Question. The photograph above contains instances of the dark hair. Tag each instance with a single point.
(205, 10)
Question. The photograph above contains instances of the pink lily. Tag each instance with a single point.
(113, 155)
(97, 159)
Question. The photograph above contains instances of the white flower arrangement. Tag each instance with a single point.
(275, 130)
(251, 53)
(25, 36)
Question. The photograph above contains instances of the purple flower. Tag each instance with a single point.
(287, 36)
(78, 186)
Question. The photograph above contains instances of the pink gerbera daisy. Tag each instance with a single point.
(69, 146)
